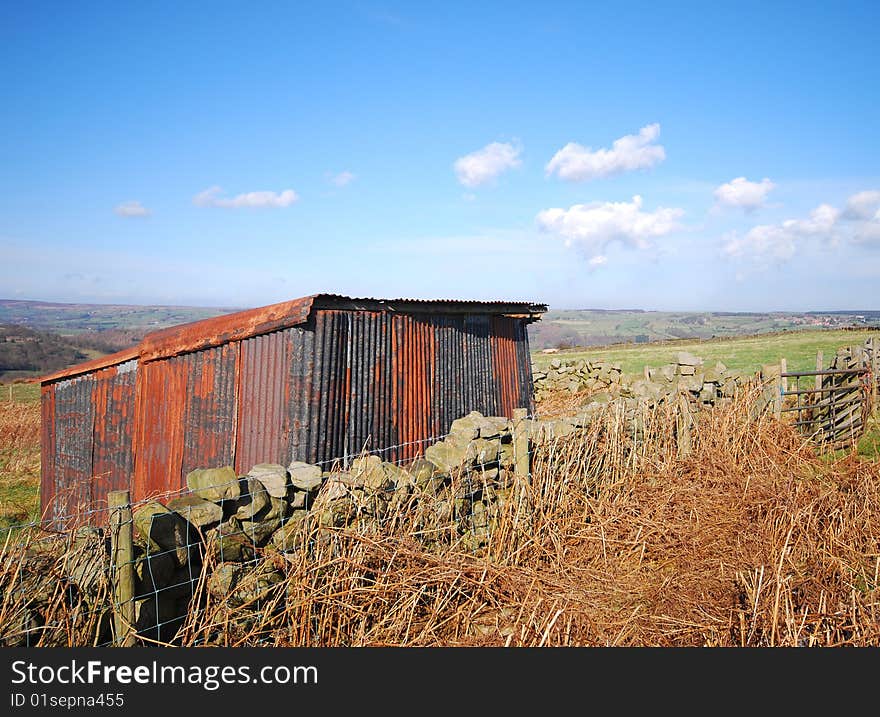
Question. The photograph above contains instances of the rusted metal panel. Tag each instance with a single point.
(86, 442)
(91, 366)
(302, 407)
(210, 424)
(335, 404)
(400, 379)
(47, 450)
(521, 309)
(505, 365)
(74, 443)
(524, 363)
(186, 407)
(113, 410)
(221, 330)
(160, 408)
(264, 418)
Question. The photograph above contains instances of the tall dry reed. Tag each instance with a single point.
(615, 539)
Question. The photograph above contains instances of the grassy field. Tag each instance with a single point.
(745, 354)
(74, 318)
(19, 453)
(585, 327)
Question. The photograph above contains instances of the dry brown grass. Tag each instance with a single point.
(19, 460)
(750, 540)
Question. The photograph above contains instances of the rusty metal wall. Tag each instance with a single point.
(112, 456)
(264, 399)
(86, 447)
(186, 417)
(390, 381)
(74, 436)
(342, 382)
(48, 480)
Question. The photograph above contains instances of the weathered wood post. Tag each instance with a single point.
(777, 396)
(684, 443)
(520, 443)
(820, 363)
(783, 368)
(875, 363)
(122, 566)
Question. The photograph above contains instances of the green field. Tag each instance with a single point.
(593, 327)
(20, 392)
(746, 354)
(19, 454)
(71, 319)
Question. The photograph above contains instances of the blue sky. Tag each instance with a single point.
(681, 156)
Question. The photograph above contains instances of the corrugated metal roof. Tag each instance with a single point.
(219, 330)
(410, 305)
(94, 365)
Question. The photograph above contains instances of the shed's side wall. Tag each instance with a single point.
(391, 381)
(343, 382)
(47, 450)
(187, 417)
(264, 421)
(86, 446)
(112, 455)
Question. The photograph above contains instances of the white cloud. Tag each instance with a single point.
(863, 205)
(764, 243)
(589, 228)
(769, 243)
(868, 232)
(576, 163)
(486, 164)
(742, 193)
(821, 222)
(258, 200)
(343, 178)
(132, 208)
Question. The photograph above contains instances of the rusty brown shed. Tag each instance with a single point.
(313, 379)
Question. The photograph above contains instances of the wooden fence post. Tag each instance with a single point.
(783, 368)
(122, 566)
(520, 444)
(820, 364)
(683, 442)
(875, 363)
(777, 397)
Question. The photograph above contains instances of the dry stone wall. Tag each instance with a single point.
(603, 383)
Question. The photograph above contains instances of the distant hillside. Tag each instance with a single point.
(38, 337)
(105, 328)
(594, 327)
(25, 353)
(71, 319)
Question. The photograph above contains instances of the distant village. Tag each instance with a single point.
(827, 320)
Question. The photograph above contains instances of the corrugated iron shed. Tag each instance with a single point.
(313, 379)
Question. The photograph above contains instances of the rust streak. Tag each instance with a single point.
(222, 329)
(93, 365)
